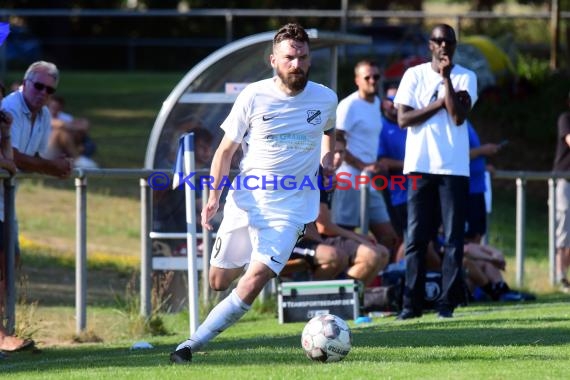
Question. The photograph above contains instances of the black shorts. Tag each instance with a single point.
(476, 218)
(306, 248)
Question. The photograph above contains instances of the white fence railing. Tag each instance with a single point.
(520, 177)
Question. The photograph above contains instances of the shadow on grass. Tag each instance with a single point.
(446, 341)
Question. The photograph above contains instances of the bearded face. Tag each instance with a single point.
(295, 79)
(291, 62)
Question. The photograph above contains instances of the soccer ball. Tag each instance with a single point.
(326, 338)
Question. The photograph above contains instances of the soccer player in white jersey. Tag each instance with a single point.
(433, 101)
(285, 126)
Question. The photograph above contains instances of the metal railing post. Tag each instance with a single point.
(206, 249)
(81, 253)
(552, 230)
(520, 230)
(146, 248)
(10, 254)
(364, 195)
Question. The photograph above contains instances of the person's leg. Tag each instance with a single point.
(231, 250)
(421, 199)
(368, 261)
(10, 343)
(346, 208)
(327, 263)
(453, 192)
(380, 224)
(562, 232)
(385, 235)
(231, 308)
(271, 250)
(562, 264)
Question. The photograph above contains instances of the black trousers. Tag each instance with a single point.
(436, 198)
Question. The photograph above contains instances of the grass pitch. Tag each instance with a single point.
(485, 341)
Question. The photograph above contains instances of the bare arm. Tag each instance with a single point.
(327, 151)
(326, 226)
(220, 169)
(392, 164)
(58, 167)
(409, 117)
(356, 162)
(485, 150)
(7, 155)
(457, 104)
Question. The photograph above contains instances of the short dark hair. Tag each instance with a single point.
(444, 27)
(364, 62)
(291, 31)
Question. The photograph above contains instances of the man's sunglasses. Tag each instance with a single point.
(375, 77)
(440, 40)
(40, 87)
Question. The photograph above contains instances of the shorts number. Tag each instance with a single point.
(217, 246)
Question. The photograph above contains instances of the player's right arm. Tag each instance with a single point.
(219, 170)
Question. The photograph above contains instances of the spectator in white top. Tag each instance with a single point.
(358, 118)
(433, 101)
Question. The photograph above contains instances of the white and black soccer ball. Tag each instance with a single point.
(326, 338)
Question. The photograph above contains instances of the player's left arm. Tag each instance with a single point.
(327, 151)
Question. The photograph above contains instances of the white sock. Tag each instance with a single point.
(225, 314)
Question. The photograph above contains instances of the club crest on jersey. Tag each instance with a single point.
(314, 117)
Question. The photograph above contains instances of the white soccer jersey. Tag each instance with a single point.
(361, 121)
(281, 140)
(437, 146)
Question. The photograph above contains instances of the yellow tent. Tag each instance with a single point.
(499, 62)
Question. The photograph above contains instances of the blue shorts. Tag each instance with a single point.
(346, 208)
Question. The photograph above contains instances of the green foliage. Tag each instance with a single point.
(526, 115)
(129, 306)
(534, 70)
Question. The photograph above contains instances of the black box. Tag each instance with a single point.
(302, 300)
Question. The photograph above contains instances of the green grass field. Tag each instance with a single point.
(507, 341)
(530, 340)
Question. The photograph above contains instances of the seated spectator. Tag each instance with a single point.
(476, 217)
(391, 152)
(69, 136)
(483, 265)
(321, 261)
(360, 256)
(168, 144)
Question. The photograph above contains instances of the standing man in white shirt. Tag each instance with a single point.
(433, 101)
(285, 126)
(358, 118)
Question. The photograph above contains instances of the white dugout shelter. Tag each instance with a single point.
(204, 97)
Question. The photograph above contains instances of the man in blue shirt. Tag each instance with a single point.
(476, 217)
(391, 152)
